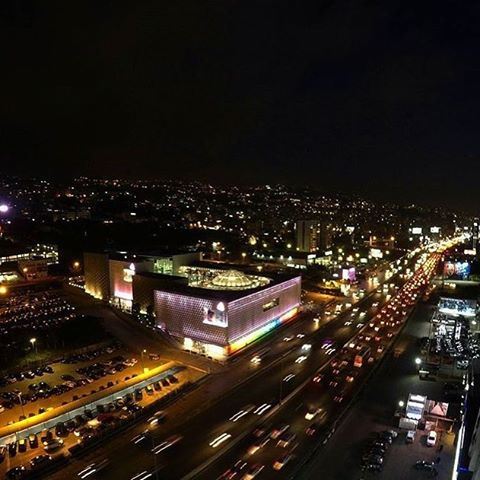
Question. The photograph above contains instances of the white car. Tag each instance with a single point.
(410, 438)
(312, 413)
(157, 417)
(432, 438)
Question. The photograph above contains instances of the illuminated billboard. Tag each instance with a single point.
(457, 306)
(216, 316)
(456, 269)
(417, 230)
(434, 229)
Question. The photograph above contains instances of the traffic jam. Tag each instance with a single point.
(274, 447)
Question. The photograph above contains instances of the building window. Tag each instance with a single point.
(271, 304)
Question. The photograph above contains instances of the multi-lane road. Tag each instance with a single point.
(222, 432)
(329, 390)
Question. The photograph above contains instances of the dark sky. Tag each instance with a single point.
(376, 96)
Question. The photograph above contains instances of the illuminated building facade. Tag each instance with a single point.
(312, 235)
(110, 276)
(121, 273)
(97, 275)
(228, 312)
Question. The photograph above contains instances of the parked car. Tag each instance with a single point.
(22, 445)
(40, 460)
(33, 440)
(370, 459)
(410, 437)
(12, 449)
(373, 467)
(432, 438)
(165, 382)
(53, 444)
(16, 473)
(61, 430)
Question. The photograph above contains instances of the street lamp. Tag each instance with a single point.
(33, 341)
(401, 403)
(3, 290)
(142, 353)
(19, 395)
(418, 361)
(76, 265)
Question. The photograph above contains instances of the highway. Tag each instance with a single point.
(201, 436)
(325, 394)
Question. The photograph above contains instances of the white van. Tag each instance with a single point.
(410, 438)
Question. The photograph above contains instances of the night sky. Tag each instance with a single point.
(378, 97)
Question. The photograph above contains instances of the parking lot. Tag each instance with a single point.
(33, 312)
(31, 392)
(94, 422)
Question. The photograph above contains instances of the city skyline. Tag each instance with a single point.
(378, 101)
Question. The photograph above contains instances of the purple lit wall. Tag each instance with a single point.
(201, 320)
(246, 314)
(184, 316)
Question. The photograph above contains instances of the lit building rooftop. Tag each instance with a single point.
(229, 280)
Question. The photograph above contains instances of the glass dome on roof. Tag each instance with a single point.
(232, 279)
(227, 280)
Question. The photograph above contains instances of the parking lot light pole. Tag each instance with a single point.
(33, 341)
(19, 395)
(142, 353)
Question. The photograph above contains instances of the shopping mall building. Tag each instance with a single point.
(210, 310)
(223, 311)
